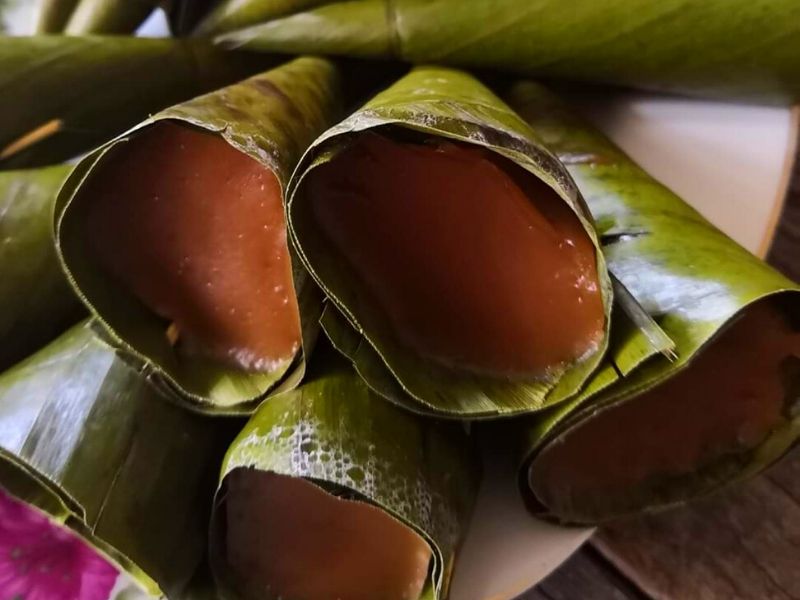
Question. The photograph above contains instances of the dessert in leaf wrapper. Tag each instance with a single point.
(460, 261)
(724, 408)
(174, 236)
(331, 492)
(468, 255)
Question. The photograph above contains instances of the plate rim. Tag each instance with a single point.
(779, 205)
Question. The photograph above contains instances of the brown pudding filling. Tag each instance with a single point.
(475, 262)
(195, 229)
(287, 538)
(723, 405)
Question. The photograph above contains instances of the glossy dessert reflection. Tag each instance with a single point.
(473, 261)
(288, 539)
(721, 407)
(195, 229)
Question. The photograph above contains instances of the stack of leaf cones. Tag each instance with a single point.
(124, 424)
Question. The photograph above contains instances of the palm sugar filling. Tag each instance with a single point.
(287, 538)
(195, 229)
(724, 405)
(473, 261)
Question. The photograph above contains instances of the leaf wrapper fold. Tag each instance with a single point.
(741, 49)
(36, 301)
(337, 434)
(57, 101)
(271, 118)
(685, 272)
(89, 440)
(451, 105)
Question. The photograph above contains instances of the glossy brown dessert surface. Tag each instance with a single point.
(475, 262)
(195, 229)
(725, 403)
(287, 538)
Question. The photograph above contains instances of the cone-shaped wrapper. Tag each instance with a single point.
(63, 95)
(330, 492)
(108, 16)
(190, 267)
(417, 330)
(724, 408)
(36, 302)
(744, 49)
(90, 441)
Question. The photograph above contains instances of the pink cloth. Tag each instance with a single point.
(42, 561)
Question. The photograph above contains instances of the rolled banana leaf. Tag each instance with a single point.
(108, 16)
(174, 236)
(53, 15)
(58, 97)
(330, 492)
(89, 440)
(726, 406)
(36, 302)
(739, 49)
(229, 15)
(430, 115)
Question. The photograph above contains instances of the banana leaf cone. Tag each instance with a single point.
(53, 15)
(174, 236)
(108, 16)
(739, 49)
(63, 95)
(331, 492)
(429, 113)
(36, 301)
(87, 439)
(230, 15)
(724, 408)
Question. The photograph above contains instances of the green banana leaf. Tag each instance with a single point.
(108, 16)
(87, 438)
(684, 271)
(272, 118)
(229, 15)
(60, 95)
(337, 434)
(36, 302)
(744, 49)
(53, 15)
(449, 104)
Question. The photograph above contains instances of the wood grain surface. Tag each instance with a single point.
(742, 544)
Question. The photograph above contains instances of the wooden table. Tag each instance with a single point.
(743, 544)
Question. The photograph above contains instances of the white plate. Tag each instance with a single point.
(730, 162)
